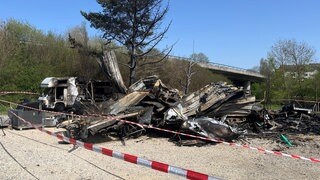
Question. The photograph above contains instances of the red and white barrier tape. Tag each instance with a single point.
(17, 92)
(230, 144)
(316, 160)
(189, 174)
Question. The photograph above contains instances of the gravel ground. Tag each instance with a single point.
(31, 154)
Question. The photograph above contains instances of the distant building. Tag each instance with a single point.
(311, 70)
(309, 75)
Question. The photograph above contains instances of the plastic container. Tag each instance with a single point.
(285, 139)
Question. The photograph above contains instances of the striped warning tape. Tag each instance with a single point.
(17, 92)
(229, 143)
(41, 110)
(316, 160)
(163, 167)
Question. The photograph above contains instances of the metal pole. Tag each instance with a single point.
(317, 104)
(317, 98)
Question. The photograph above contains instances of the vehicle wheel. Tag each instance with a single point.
(78, 108)
(59, 107)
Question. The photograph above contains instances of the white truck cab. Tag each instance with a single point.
(58, 94)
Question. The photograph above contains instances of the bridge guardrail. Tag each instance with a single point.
(221, 66)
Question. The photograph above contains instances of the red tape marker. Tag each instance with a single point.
(130, 158)
(17, 92)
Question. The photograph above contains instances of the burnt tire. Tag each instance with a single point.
(78, 108)
(59, 107)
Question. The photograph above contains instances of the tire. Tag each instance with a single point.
(78, 108)
(59, 107)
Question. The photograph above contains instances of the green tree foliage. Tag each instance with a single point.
(86, 64)
(292, 57)
(284, 70)
(133, 24)
(29, 55)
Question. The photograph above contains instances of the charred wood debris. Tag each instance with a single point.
(218, 110)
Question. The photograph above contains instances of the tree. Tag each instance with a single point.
(199, 57)
(291, 52)
(292, 57)
(84, 62)
(80, 33)
(189, 72)
(267, 69)
(132, 23)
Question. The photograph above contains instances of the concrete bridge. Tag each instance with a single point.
(239, 76)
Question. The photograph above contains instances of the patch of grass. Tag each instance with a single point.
(4, 109)
(275, 107)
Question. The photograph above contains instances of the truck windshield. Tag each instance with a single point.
(47, 91)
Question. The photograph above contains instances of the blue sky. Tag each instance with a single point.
(233, 32)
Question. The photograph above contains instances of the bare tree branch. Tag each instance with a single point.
(158, 38)
(163, 58)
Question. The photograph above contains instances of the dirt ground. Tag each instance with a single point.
(31, 154)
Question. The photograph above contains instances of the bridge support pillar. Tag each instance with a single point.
(247, 86)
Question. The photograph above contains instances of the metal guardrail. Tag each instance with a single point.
(221, 66)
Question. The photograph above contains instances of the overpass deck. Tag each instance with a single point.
(229, 71)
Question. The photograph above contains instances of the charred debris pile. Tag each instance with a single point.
(218, 110)
(291, 119)
(151, 103)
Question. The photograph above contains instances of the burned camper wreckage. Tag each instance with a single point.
(63, 94)
(148, 102)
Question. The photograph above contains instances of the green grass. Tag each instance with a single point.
(275, 107)
(4, 109)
